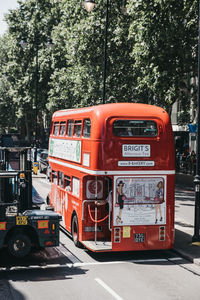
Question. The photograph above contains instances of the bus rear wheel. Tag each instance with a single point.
(75, 231)
(19, 245)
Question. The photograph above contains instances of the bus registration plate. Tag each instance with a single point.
(139, 237)
(21, 220)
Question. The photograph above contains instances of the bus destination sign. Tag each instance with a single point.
(136, 150)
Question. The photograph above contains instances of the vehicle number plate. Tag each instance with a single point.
(21, 220)
(139, 237)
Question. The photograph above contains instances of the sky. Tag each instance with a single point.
(5, 5)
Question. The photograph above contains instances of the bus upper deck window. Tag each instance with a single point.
(62, 128)
(70, 124)
(86, 128)
(77, 128)
(134, 128)
(56, 128)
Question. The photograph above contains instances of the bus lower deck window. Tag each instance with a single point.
(76, 186)
(54, 177)
(61, 179)
(133, 128)
(67, 183)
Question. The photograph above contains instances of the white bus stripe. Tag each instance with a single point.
(112, 172)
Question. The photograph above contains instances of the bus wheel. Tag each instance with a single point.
(19, 245)
(75, 233)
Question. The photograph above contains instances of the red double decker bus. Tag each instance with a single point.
(112, 176)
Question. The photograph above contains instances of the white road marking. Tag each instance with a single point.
(82, 264)
(107, 288)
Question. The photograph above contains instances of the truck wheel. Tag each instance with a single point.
(47, 200)
(19, 245)
(75, 232)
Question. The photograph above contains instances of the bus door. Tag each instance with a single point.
(96, 212)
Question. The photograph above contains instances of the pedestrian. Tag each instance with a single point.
(184, 162)
(193, 162)
(177, 159)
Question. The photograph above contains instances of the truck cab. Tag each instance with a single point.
(22, 225)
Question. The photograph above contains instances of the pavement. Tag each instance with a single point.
(183, 232)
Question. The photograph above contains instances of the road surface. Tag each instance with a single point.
(67, 272)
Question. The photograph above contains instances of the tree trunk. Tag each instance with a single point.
(27, 128)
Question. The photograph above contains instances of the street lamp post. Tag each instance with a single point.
(36, 103)
(196, 236)
(89, 6)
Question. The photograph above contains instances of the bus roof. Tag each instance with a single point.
(114, 109)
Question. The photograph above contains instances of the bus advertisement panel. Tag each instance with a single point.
(139, 201)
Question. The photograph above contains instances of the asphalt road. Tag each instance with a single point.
(67, 272)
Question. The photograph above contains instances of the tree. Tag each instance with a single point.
(33, 20)
(7, 112)
(151, 56)
(80, 40)
(164, 38)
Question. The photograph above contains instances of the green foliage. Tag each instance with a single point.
(163, 33)
(80, 40)
(151, 55)
(7, 112)
(33, 20)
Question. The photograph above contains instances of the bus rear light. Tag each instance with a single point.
(117, 235)
(162, 233)
(53, 226)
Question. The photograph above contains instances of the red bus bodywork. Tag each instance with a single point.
(138, 168)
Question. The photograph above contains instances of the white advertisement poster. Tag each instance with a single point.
(65, 149)
(139, 200)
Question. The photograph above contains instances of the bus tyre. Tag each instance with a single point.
(19, 245)
(75, 232)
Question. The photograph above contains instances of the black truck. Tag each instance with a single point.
(22, 225)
